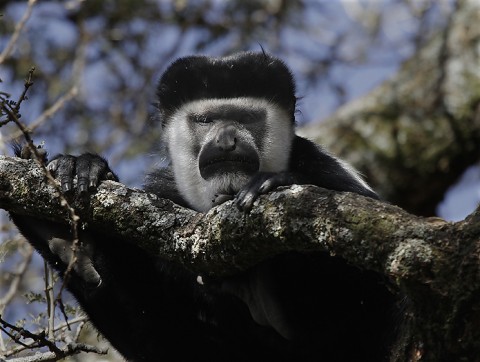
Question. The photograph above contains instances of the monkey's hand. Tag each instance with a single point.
(55, 241)
(87, 169)
(262, 183)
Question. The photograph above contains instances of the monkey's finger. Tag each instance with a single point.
(83, 265)
(99, 171)
(65, 167)
(86, 270)
(250, 190)
(96, 171)
(83, 174)
(53, 166)
(221, 198)
(246, 200)
(277, 180)
(111, 176)
(268, 185)
(247, 196)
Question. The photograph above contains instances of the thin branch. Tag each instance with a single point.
(78, 331)
(50, 298)
(55, 354)
(48, 113)
(18, 275)
(25, 333)
(15, 283)
(39, 340)
(27, 84)
(18, 30)
(69, 350)
(39, 158)
(31, 344)
(78, 67)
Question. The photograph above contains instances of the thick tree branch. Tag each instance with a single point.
(435, 264)
(415, 134)
(368, 233)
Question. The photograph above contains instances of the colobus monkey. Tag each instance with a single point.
(228, 126)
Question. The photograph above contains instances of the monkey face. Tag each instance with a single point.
(218, 145)
(230, 147)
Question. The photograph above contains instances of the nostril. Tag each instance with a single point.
(226, 138)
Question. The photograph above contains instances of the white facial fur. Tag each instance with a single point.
(184, 139)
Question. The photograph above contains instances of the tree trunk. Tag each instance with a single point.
(413, 136)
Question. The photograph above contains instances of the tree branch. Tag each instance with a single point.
(415, 134)
(434, 263)
(368, 233)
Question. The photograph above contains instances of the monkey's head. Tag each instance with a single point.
(224, 120)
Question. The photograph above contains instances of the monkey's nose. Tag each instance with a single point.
(226, 139)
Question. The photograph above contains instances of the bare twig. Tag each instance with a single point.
(78, 66)
(29, 345)
(59, 300)
(55, 354)
(50, 298)
(48, 113)
(78, 331)
(19, 332)
(39, 158)
(15, 282)
(69, 350)
(18, 30)
(12, 112)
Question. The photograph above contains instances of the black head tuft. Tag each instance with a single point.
(246, 74)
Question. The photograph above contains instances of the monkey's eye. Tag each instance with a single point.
(201, 118)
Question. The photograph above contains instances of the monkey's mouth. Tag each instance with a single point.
(227, 163)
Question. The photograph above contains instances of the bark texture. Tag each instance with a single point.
(435, 264)
(413, 136)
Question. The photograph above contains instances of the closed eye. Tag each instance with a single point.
(201, 118)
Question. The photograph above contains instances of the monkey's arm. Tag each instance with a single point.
(313, 165)
(54, 241)
(162, 183)
(309, 164)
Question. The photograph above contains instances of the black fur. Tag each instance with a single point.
(322, 169)
(151, 309)
(240, 75)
